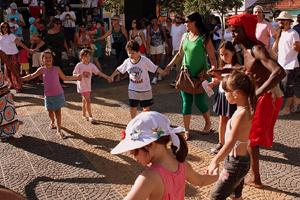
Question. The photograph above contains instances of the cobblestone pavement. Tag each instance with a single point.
(39, 165)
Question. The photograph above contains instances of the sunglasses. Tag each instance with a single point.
(114, 19)
(4, 26)
(57, 23)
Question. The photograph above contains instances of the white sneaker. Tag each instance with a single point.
(159, 78)
(154, 80)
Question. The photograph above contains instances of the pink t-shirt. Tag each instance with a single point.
(264, 31)
(174, 182)
(86, 71)
(52, 86)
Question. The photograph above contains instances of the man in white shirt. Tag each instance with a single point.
(288, 47)
(177, 30)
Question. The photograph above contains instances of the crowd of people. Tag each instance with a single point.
(258, 67)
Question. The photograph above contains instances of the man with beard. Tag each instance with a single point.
(267, 73)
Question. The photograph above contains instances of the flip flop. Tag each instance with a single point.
(205, 132)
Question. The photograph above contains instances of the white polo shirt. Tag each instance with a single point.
(287, 56)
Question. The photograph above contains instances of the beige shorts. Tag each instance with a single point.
(140, 95)
(157, 50)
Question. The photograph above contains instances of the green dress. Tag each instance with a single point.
(194, 58)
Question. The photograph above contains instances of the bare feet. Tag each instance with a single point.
(61, 134)
(52, 126)
(207, 129)
(251, 182)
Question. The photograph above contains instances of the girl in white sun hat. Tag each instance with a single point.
(146, 137)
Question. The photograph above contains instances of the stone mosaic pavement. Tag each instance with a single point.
(39, 165)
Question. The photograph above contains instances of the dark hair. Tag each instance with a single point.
(197, 18)
(238, 80)
(183, 150)
(228, 46)
(54, 21)
(137, 24)
(8, 27)
(133, 45)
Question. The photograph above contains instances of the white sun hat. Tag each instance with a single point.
(146, 128)
(285, 15)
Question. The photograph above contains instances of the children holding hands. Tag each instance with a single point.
(86, 69)
(139, 88)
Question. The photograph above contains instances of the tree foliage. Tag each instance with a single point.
(114, 6)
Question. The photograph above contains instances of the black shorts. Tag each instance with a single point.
(291, 83)
(231, 179)
(143, 103)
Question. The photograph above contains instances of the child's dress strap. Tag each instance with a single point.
(174, 182)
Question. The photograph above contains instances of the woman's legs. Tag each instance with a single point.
(200, 101)
(187, 102)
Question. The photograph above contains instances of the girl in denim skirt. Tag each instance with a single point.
(240, 90)
(54, 94)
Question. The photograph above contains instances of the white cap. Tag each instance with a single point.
(146, 128)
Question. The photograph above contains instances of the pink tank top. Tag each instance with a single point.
(174, 182)
(52, 86)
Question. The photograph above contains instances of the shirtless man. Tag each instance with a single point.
(267, 73)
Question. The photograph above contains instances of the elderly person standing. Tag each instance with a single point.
(193, 48)
(264, 29)
(288, 47)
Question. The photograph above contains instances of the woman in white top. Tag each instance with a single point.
(138, 35)
(8, 44)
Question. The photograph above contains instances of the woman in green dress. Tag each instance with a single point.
(195, 46)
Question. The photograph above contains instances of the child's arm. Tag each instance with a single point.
(28, 77)
(144, 185)
(101, 74)
(162, 72)
(197, 179)
(75, 77)
(115, 73)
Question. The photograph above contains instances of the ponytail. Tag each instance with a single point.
(183, 150)
(179, 154)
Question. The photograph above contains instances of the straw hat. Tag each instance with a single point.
(285, 15)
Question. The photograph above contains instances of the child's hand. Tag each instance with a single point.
(212, 169)
(110, 79)
(79, 77)
(215, 73)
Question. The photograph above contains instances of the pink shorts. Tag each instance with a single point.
(85, 94)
